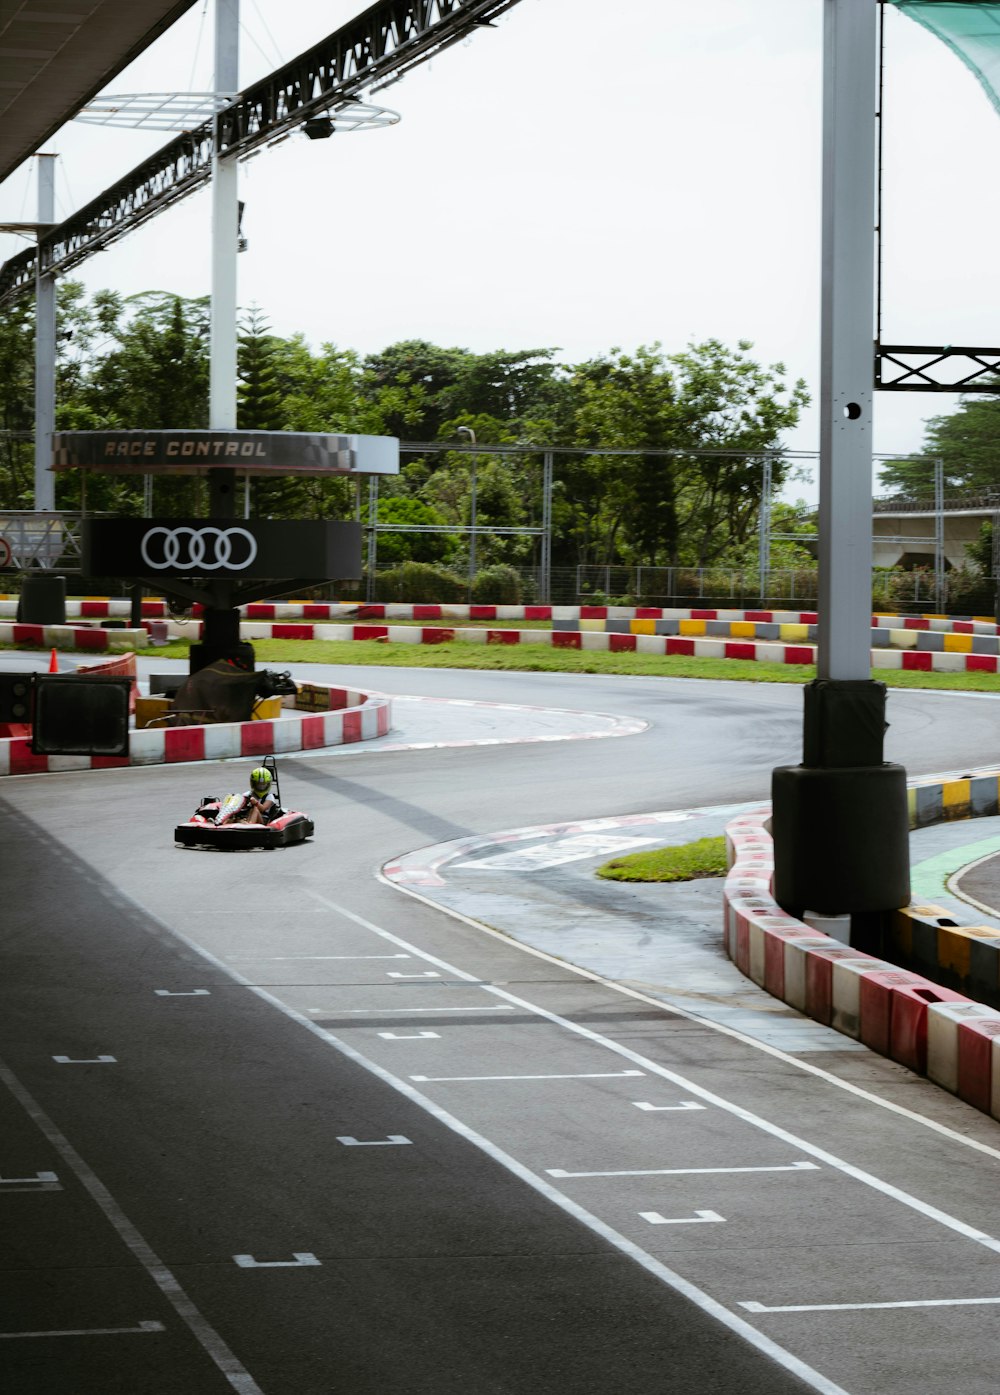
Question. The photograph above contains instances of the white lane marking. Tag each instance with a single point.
(552, 854)
(206, 1336)
(299, 1260)
(868, 1179)
(384, 1012)
(186, 993)
(426, 974)
(84, 1060)
(675, 1010)
(28, 1181)
(699, 1218)
(396, 1140)
(667, 1108)
(685, 1171)
(286, 958)
(669, 1277)
(864, 1307)
(143, 1327)
(410, 1036)
(598, 1075)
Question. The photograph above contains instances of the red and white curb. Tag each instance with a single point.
(355, 717)
(561, 843)
(914, 1021)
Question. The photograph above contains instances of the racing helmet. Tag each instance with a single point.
(260, 780)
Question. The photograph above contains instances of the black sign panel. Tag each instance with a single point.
(231, 549)
(246, 452)
(80, 716)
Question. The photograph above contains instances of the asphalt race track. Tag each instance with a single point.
(270, 1125)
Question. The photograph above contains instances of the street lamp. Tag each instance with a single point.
(468, 431)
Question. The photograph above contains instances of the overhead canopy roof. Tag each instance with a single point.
(55, 55)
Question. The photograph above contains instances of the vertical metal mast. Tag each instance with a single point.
(45, 346)
(841, 840)
(846, 389)
(225, 231)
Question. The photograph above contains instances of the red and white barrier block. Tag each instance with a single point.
(930, 1029)
(351, 716)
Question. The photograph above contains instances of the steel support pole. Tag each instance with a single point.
(225, 231)
(764, 542)
(939, 535)
(45, 348)
(846, 388)
(372, 566)
(473, 515)
(840, 828)
(220, 634)
(545, 580)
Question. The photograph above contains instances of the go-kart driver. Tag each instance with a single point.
(260, 796)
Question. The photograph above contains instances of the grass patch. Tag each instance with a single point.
(539, 658)
(704, 858)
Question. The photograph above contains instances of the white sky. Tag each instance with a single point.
(585, 175)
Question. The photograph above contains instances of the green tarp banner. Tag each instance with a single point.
(972, 31)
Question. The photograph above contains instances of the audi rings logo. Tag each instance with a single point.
(206, 549)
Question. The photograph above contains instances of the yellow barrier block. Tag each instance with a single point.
(954, 946)
(743, 629)
(643, 627)
(953, 950)
(958, 644)
(267, 709)
(692, 627)
(149, 711)
(794, 634)
(911, 807)
(956, 796)
(592, 624)
(903, 639)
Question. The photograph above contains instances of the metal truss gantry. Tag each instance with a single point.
(372, 50)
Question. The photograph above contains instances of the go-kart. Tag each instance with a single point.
(225, 823)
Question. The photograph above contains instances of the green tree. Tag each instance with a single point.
(17, 391)
(702, 419)
(258, 396)
(411, 547)
(966, 440)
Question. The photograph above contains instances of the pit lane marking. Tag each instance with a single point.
(667, 1108)
(142, 1329)
(285, 958)
(299, 1260)
(182, 993)
(210, 1341)
(684, 1171)
(731, 1321)
(756, 1121)
(395, 1140)
(866, 1307)
(410, 1036)
(85, 1060)
(598, 1075)
(699, 1218)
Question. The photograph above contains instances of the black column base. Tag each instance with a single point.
(221, 640)
(841, 839)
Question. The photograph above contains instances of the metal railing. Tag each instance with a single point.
(41, 541)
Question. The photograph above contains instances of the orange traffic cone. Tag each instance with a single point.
(53, 662)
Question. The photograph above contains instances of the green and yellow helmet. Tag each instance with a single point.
(260, 780)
